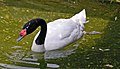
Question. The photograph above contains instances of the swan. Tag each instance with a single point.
(56, 34)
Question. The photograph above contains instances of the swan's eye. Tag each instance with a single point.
(26, 26)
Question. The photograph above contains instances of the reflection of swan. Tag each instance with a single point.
(38, 59)
(56, 34)
(56, 53)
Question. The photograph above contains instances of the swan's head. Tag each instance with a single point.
(28, 28)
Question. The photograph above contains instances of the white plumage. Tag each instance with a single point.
(62, 32)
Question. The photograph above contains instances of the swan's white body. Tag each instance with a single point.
(62, 32)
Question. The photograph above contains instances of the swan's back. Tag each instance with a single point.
(61, 32)
(60, 28)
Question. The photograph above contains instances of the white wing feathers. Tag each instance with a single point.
(80, 17)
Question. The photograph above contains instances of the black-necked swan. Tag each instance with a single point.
(56, 34)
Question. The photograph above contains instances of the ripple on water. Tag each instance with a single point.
(16, 47)
(8, 66)
(21, 59)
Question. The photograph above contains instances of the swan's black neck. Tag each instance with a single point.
(41, 37)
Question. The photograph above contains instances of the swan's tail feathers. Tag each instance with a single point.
(80, 17)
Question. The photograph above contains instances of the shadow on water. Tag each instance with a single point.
(105, 54)
(47, 6)
(60, 6)
(65, 6)
(108, 47)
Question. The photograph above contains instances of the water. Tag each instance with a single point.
(30, 60)
(73, 56)
(100, 51)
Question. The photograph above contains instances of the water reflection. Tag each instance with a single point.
(8, 66)
(30, 60)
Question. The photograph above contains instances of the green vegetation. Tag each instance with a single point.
(96, 51)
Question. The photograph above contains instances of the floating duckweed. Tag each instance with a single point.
(1, 17)
(68, 64)
(93, 47)
(88, 58)
(16, 47)
(27, 42)
(102, 17)
(88, 65)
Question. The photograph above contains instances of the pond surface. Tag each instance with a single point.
(21, 59)
(90, 52)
